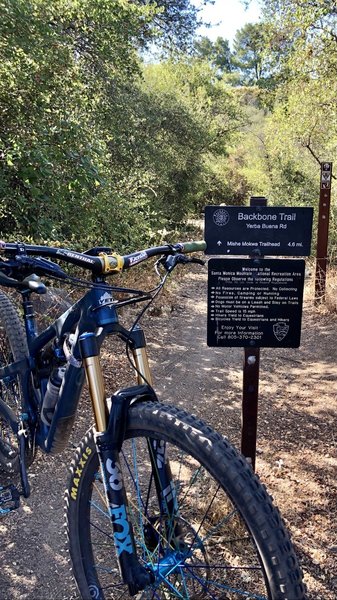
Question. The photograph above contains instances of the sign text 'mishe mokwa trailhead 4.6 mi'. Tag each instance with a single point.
(259, 230)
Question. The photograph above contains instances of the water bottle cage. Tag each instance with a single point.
(51, 394)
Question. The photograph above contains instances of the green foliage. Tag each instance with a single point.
(59, 64)
(95, 149)
(289, 63)
(248, 53)
(217, 54)
(302, 129)
(191, 116)
(175, 21)
(98, 148)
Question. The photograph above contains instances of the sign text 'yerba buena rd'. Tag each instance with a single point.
(265, 230)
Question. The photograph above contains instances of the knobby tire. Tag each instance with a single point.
(234, 543)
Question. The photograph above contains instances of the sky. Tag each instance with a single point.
(227, 16)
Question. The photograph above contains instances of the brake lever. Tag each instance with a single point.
(171, 261)
(197, 261)
(31, 283)
(42, 265)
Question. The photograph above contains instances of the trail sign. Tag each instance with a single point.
(255, 302)
(323, 231)
(258, 230)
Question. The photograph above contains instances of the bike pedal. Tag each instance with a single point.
(9, 499)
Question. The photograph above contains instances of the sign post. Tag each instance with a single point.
(255, 302)
(250, 388)
(250, 398)
(323, 231)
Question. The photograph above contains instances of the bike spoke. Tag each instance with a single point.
(208, 526)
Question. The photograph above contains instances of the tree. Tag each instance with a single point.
(217, 54)
(248, 53)
(305, 101)
(223, 55)
(176, 22)
(195, 119)
(300, 128)
(60, 63)
(204, 49)
(85, 140)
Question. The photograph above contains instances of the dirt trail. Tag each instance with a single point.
(297, 446)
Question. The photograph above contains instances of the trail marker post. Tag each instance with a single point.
(323, 231)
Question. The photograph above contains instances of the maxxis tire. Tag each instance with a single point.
(224, 463)
(11, 326)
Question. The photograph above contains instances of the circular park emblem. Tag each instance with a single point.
(221, 217)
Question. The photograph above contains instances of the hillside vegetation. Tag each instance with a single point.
(103, 141)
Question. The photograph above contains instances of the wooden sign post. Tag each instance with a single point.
(323, 231)
(250, 387)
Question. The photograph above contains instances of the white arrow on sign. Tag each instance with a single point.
(219, 243)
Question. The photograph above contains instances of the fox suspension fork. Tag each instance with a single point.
(109, 439)
(161, 470)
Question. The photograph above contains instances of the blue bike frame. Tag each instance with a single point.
(95, 313)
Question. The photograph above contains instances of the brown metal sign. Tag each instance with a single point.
(323, 230)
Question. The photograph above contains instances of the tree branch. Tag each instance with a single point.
(316, 157)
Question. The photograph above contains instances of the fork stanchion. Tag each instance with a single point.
(90, 355)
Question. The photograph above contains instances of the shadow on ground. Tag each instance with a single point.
(297, 445)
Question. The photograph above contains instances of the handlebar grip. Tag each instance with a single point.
(194, 247)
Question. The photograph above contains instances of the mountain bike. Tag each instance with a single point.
(158, 505)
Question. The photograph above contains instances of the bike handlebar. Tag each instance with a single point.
(101, 261)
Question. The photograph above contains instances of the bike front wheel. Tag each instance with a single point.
(232, 542)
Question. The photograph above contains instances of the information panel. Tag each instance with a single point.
(260, 229)
(254, 302)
